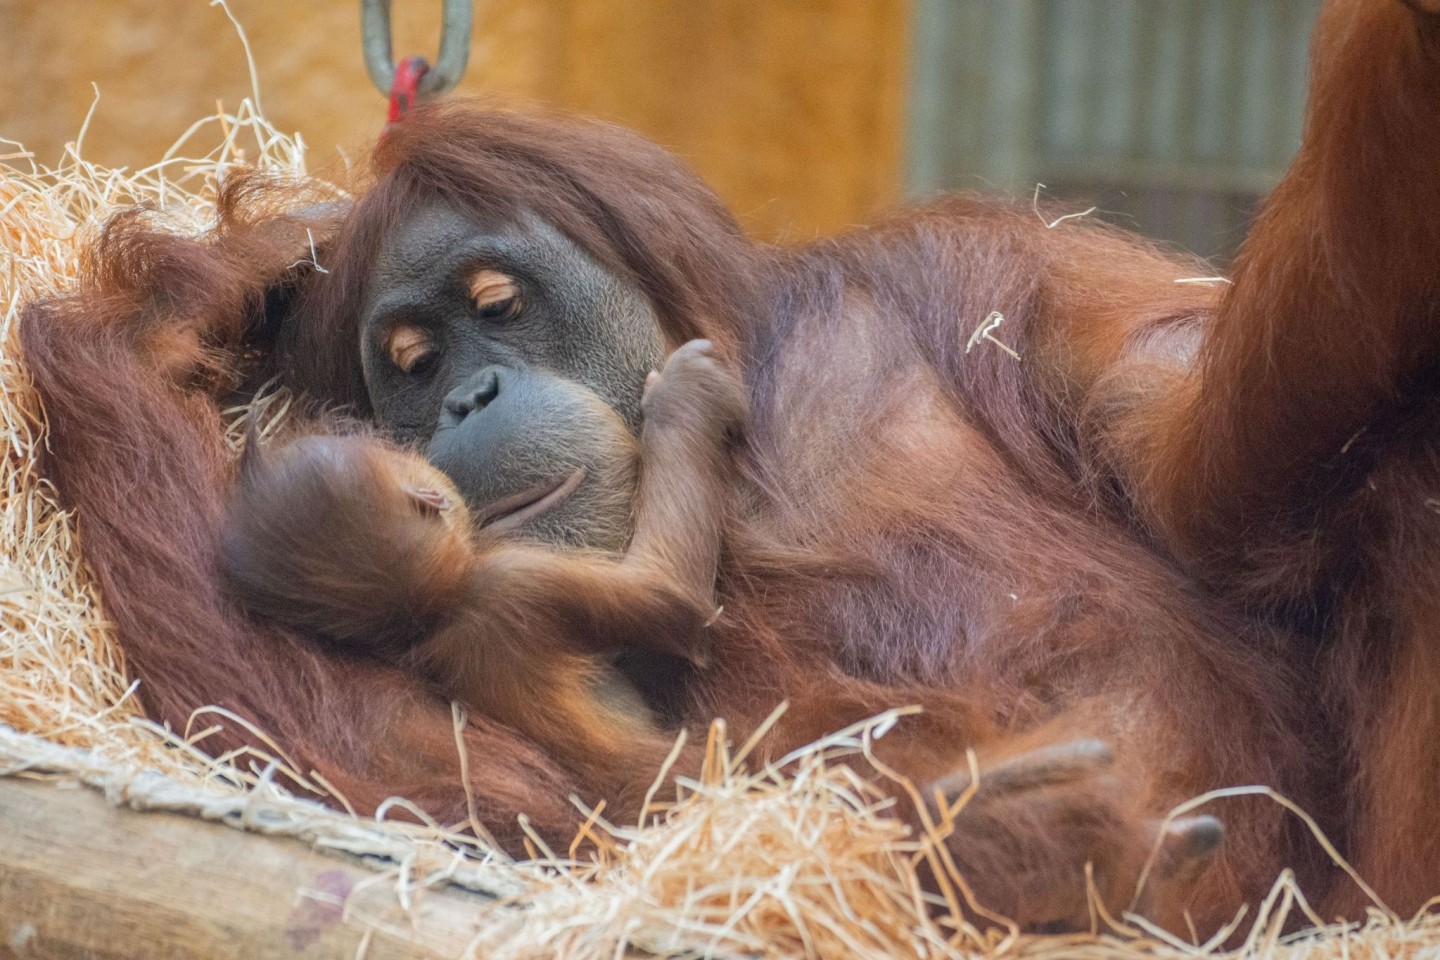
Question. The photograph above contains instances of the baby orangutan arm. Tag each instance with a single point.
(693, 410)
(589, 605)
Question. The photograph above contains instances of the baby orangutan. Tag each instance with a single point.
(362, 545)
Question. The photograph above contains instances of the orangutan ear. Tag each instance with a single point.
(428, 500)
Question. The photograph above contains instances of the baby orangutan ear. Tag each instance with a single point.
(430, 501)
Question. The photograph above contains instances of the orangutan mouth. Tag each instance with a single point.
(513, 511)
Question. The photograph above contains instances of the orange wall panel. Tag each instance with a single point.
(792, 109)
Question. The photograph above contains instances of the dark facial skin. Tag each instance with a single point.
(517, 364)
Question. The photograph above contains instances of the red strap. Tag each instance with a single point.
(406, 86)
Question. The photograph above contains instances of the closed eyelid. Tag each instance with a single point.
(406, 344)
(487, 286)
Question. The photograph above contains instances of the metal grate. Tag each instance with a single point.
(1173, 115)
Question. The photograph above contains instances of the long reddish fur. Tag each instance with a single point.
(1163, 526)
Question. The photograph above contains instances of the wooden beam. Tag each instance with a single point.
(81, 878)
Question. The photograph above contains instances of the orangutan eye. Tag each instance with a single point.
(410, 349)
(495, 295)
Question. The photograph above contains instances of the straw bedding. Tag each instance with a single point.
(793, 860)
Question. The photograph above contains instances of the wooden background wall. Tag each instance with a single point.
(793, 110)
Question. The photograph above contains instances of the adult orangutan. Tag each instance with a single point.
(1173, 537)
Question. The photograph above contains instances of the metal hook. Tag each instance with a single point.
(454, 46)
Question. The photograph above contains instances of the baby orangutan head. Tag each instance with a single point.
(349, 539)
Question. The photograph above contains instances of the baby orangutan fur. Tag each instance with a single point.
(368, 548)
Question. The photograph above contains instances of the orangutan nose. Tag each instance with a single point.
(473, 395)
